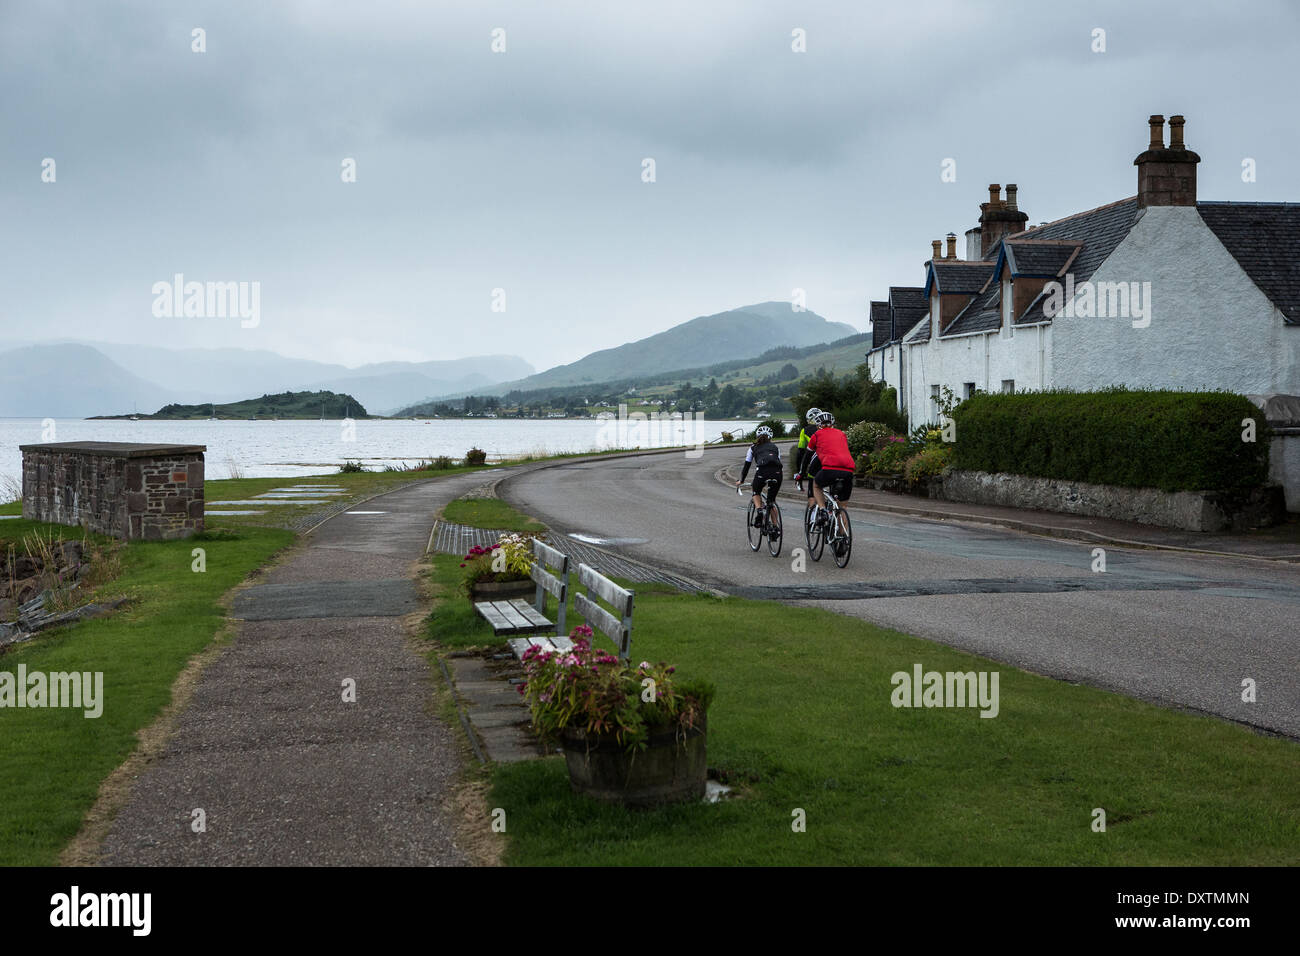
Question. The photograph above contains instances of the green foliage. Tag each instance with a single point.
(351, 468)
(866, 437)
(928, 462)
(1174, 441)
(284, 405)
(853, 398)
(888, 459)
(777, 426)
(590, 689)
(510, 559)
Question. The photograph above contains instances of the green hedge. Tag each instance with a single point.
(1174, 441)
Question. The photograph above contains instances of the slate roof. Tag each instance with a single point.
(921, 333)
(959, 276)
(1264, 238)
(908, 305)
(983, 314)
(882, 330)
(1040, 257)
(1098, 230)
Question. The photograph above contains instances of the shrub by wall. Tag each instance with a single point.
(1174, 441)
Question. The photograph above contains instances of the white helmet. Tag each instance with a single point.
(825, 420)
(763, 432)
(813, 414)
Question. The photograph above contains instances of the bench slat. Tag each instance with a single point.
(500, 623)
(599, 618)
(519, 645)
(530, 613)
(543, 643)
(552, 584)
(556, 559)
(562, 644)
(605, 589)
(518, 622)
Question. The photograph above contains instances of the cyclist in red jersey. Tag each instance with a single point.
(832, 450)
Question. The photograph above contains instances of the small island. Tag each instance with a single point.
(290, 405)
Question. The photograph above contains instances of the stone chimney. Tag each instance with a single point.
(935, 253)
(1166, 176)
(952, 246)
(999, 217)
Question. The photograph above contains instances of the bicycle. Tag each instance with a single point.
(771, 527)
(834, 528)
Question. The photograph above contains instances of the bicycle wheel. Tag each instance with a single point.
(816, 540)
(755, 534)
(774, 530)
(844, 546)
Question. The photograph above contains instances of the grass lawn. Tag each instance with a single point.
(803, 720)
(491, 513)
(357, 485)
(53, 760)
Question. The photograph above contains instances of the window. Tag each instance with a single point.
(934, 394)
(968, 390)
(1008, 386)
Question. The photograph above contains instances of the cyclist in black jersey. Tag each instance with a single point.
(766, 457)
(806, 462)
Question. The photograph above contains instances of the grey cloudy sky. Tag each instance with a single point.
(522, 170)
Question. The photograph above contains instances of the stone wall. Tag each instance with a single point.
(1283, 415)
(1183, 510)
(130, 491)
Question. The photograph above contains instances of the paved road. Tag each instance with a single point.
(286, 772)
(1172, 628)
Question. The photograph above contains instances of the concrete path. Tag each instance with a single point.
(285, 771)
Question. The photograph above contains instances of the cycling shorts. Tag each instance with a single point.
(765, 475)
(841, 478)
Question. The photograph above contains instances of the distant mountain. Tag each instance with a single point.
(738, 333)
(70, 381)
(198, 376)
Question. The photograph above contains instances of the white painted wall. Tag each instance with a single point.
(1210, 327)
(885, 366)
(985, 358)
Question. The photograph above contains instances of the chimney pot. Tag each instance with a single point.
(1176, 132)
(934, 249)
(1157, 122)
(1011, 196)
(995, 197)
(1167, 176)
(952, 245)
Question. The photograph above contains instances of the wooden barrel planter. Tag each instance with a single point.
(502, 590)
(669, 770)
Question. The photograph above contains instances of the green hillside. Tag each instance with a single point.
(722, 390)
(738, 333)
(333, 405)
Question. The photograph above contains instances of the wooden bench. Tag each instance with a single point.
(618, 626)
(528, 622)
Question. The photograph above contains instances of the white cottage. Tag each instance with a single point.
(1158, 290)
